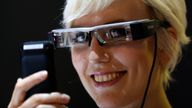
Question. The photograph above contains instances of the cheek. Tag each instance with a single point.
(132, 57)
(138, 63)
(79, 61)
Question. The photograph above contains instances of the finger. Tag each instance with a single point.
(15, 102)
(32, 80)
(23, 85)
(51, 106)
(53, 98)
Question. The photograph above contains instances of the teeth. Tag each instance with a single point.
(107, 77)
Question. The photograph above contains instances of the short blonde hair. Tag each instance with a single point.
(173, 11)
(75, 9)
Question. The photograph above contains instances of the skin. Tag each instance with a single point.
(51, 100)
(133, 58)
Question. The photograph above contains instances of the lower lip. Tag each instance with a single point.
(108, 83)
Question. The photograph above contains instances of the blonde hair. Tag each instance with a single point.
(172, 11)
(75, 9)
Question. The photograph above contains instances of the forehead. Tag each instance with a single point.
(119, 10)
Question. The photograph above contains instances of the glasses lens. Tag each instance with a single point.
(78, 37)
(118, 33)
(113, 34)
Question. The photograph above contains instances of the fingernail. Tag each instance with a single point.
(19, 79)
(65, 96)
(43, 73)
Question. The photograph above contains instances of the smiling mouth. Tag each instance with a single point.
(107, 79)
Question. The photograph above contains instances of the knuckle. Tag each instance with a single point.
(19, 85)
(39, 98)
(12, 105)
(45, 106)
(55, 94)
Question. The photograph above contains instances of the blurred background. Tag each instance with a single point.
(26, 20)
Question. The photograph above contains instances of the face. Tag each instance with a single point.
(115, 75)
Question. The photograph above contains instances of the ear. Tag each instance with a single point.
(164, 58)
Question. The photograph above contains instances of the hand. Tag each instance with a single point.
(41, 100)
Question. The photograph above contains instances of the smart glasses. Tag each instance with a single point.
(107, 34)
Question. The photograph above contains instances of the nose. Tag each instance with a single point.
(98, 53)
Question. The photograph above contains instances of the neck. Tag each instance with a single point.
(157, 99)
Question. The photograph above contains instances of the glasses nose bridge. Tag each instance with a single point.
(97, 36)
(96, 47)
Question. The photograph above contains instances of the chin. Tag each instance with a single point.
(116, 103)
(112, 105)
(106, 103)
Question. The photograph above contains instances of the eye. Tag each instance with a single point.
(80, 37)
(118, 32)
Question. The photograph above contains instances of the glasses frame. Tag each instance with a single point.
(138, 29)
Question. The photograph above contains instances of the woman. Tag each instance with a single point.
(124, 56)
